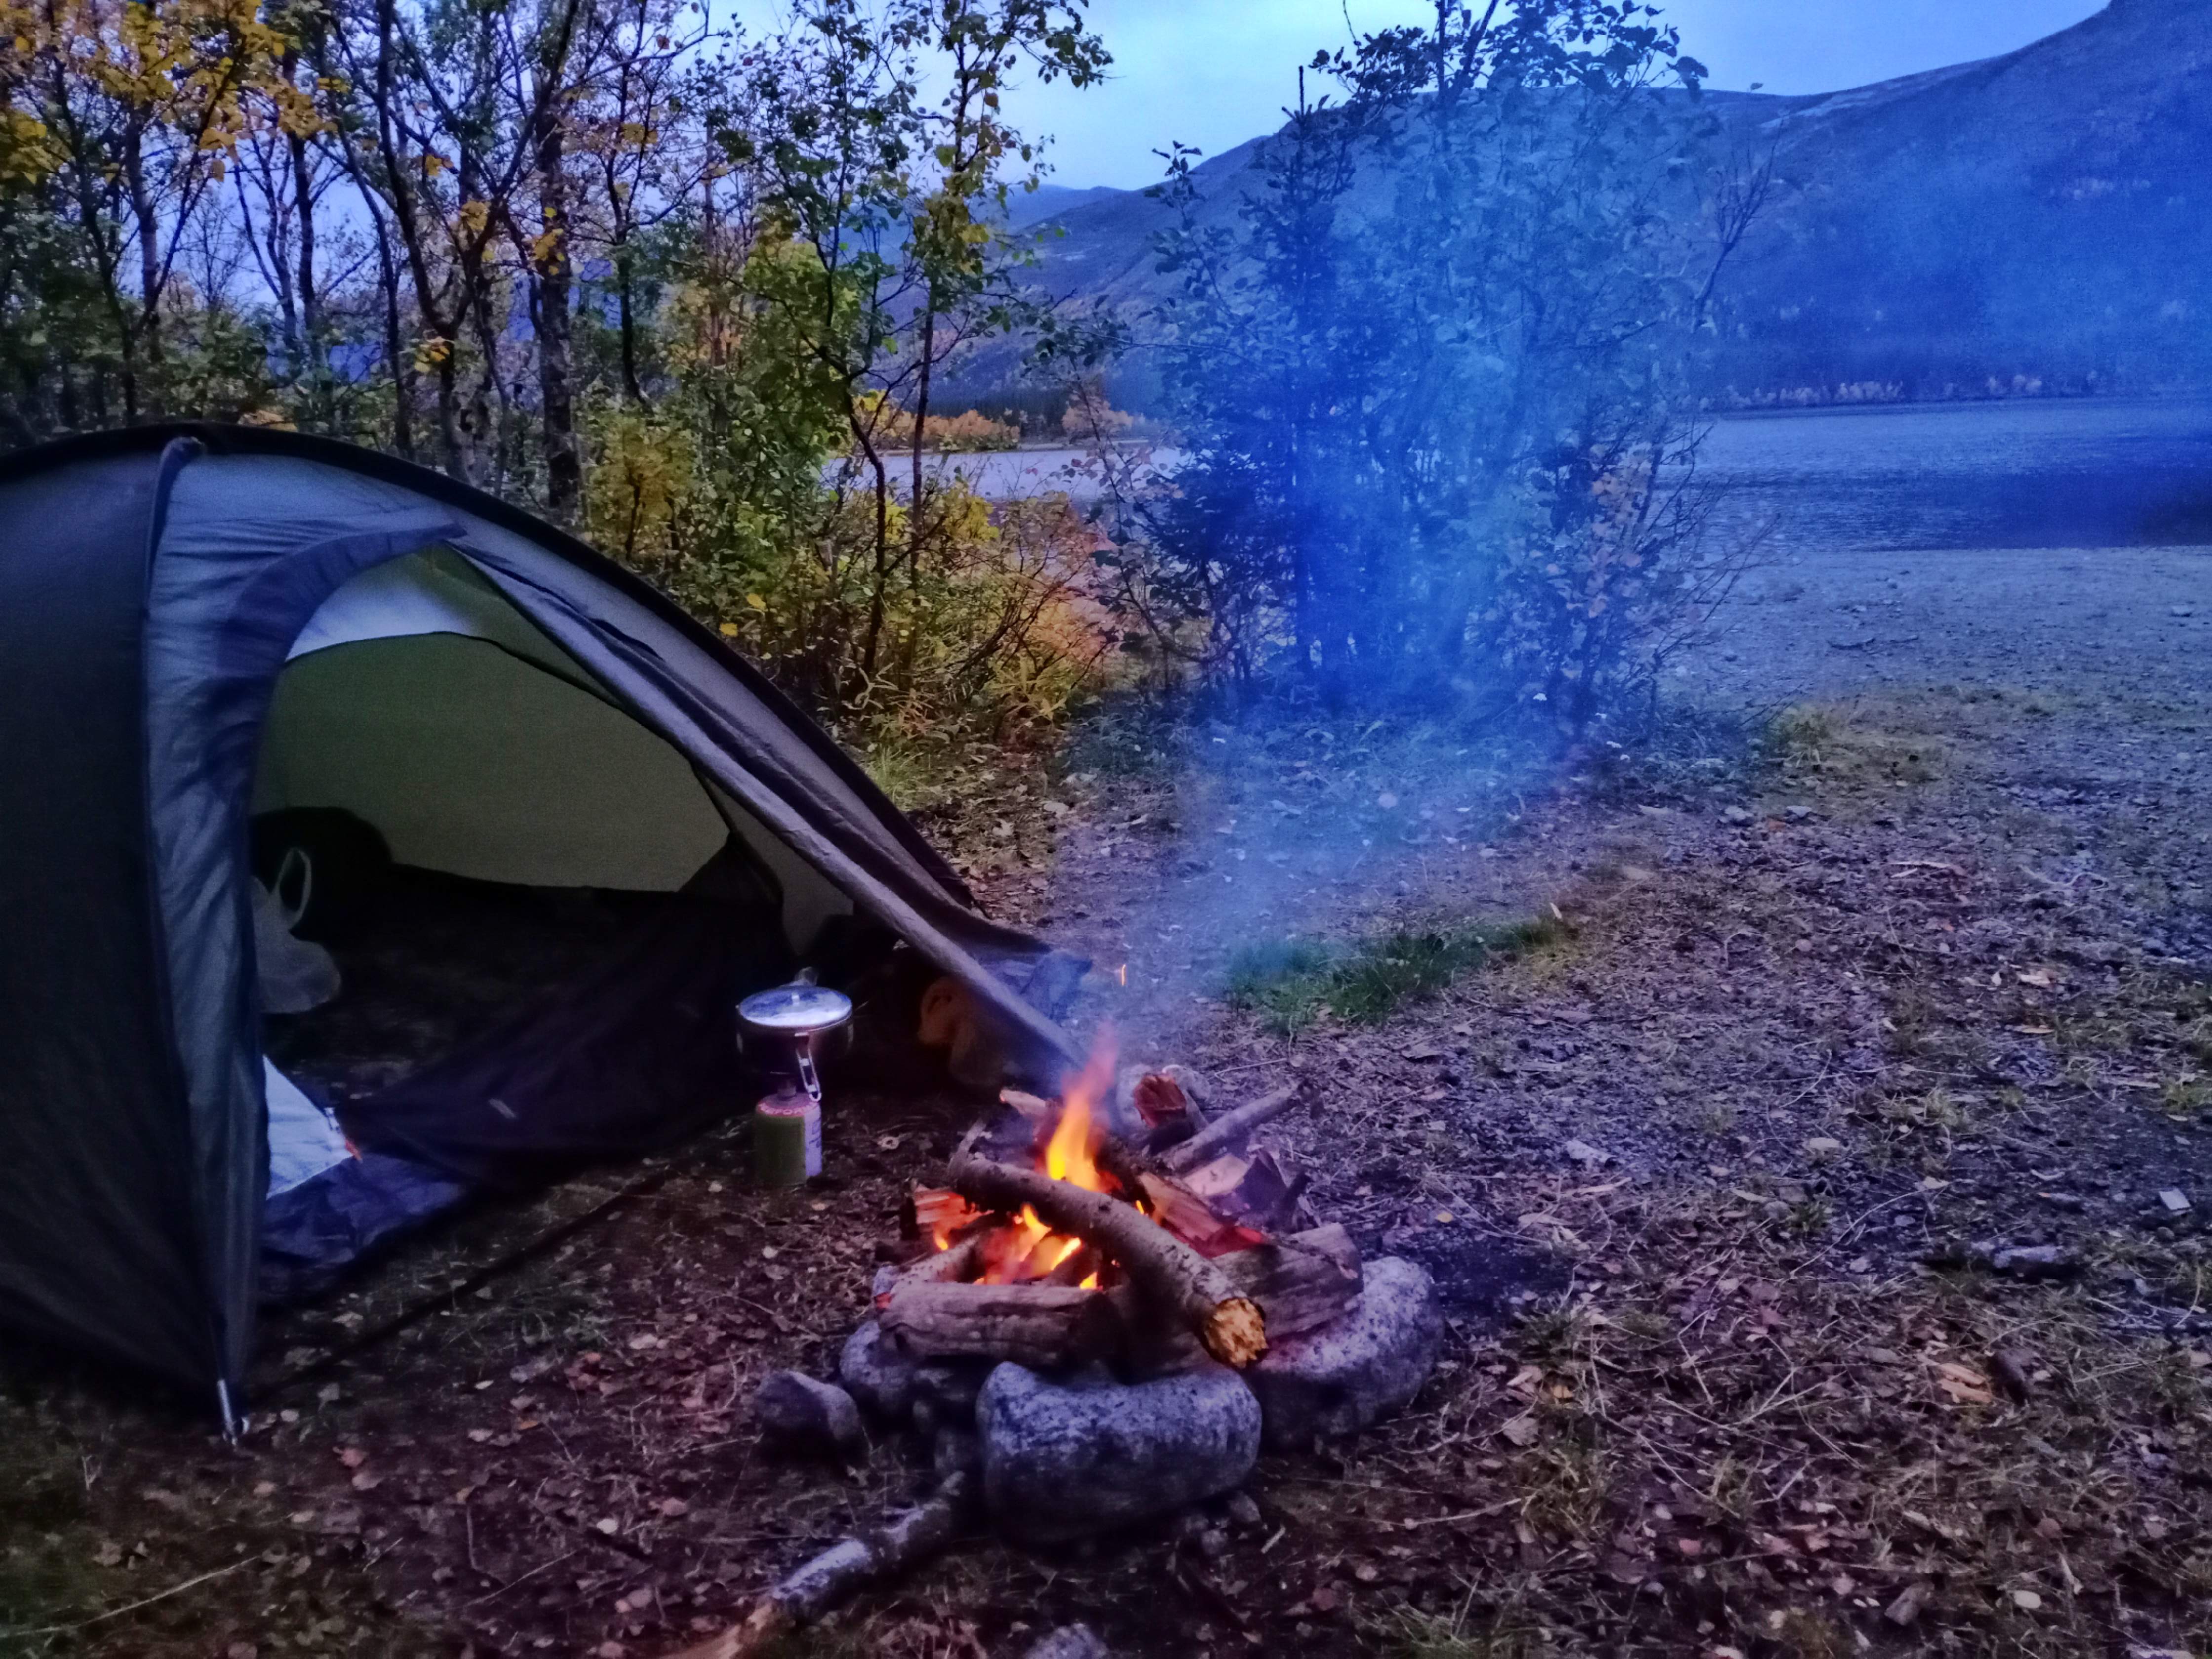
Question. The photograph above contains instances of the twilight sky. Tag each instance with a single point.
(1213, 73)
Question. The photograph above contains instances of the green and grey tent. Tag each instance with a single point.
(203, 627)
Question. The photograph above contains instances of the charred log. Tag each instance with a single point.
(1040, 1326)
(1174, 1277)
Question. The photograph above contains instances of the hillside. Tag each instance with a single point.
(2041, 220)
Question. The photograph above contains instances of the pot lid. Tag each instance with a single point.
(796, 1010)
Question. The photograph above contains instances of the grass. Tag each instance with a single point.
(1460, 1634)
(1292, 983)
(1853, 750)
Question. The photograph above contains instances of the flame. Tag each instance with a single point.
(1070, 1154)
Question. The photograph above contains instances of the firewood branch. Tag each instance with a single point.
(1229, 1131)
(812, 1591)
(1170, 1274)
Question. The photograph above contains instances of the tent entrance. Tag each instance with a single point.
(541, 915)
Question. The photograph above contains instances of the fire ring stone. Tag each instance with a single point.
(1368, 1362)
(1062, 1460)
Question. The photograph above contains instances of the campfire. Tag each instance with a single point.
(1150, 1252)
(1095, 1317)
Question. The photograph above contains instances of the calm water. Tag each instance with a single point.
(2077, 473)
(2087, 473)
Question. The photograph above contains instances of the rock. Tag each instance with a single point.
(1736, 815)
(797, 1413)
(956, 1451)
(1583, 1153)
(1824, 1145)
(1071, 1642)
(2175, 1200)
(1068, 1458)
(1907, 1608)
(877, 1372)
(2037, 1261)
(1245, 1512)
(1368, 1362)
(952, 1385)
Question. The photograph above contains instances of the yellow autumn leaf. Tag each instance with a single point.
(756, 601)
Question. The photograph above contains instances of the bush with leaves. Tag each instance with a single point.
(1433, 370)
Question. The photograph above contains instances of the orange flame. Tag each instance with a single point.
(1071, 1155)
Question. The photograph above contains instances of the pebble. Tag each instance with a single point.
(1071, 1642)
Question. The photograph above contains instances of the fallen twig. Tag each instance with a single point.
(812, 1591)
(144, 1601)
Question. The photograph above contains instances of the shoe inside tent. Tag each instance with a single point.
(549, 830)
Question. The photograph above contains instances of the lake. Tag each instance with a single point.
(2089, 472)
(2092, 472)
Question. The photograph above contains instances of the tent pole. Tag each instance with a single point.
(233, 1424)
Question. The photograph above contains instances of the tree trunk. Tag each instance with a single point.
(564, 469)
(914, 524)
(311, 300)
(626, 308)
(146, 334)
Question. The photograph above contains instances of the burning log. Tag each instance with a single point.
(1226, 1133)
(936, 1214)
(1251, 1188)
(842, 1571)
(1192, 1219)
(1081, 1267)
(1301, 1283)
(958, 1262)
(1037, 1325)
(1173, 1275)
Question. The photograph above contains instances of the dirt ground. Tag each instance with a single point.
(1892, 951)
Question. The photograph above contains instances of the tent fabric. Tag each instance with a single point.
(304, 1139)
(473, 761)
(314, 1232)
(631, 1057)
(101, 1243)
(154, 584)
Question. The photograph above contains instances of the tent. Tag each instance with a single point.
(205, 630)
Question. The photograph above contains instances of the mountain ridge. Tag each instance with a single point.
(2036, 221)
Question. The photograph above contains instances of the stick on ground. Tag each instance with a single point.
(842, 1572)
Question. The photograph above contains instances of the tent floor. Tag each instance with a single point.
(437, 959)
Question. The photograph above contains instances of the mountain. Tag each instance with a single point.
(2040, 220)
(1025, 208)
